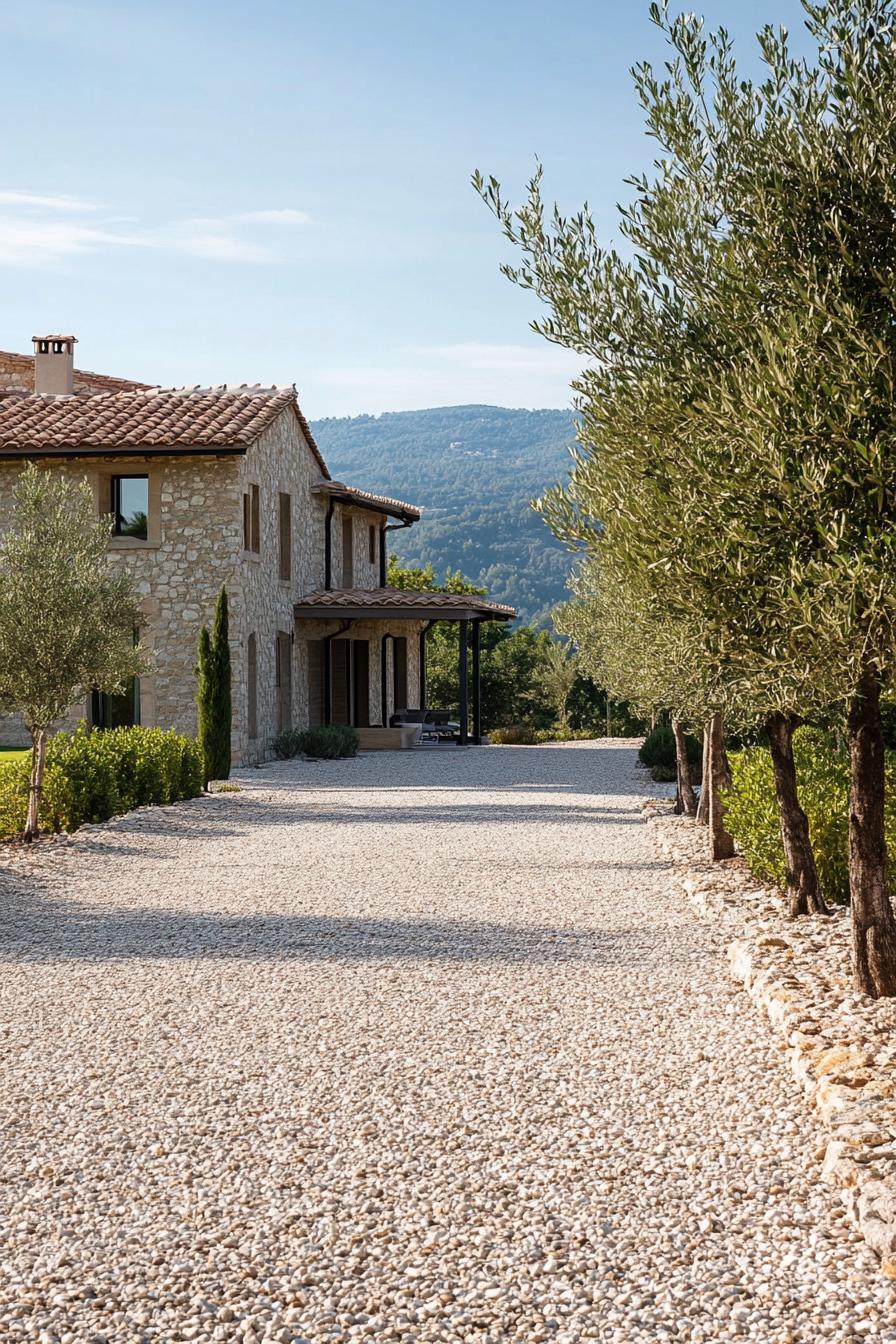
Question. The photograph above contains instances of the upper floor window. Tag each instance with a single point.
(371, 544)
(348, 552)
(252, 520)
(130, 506)
(285, 536)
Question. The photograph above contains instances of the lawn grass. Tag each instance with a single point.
(8, 754)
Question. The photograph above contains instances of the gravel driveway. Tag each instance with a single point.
(411, 1047)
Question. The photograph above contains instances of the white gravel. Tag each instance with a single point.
(413, 1047)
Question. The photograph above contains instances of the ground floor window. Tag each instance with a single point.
(116, 711)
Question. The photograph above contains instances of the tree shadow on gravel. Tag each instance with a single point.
(37, 925)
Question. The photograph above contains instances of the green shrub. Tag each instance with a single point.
(91, 776)
(823, 779)
(517, 735)
(658, 750)
(330, 741)
(287, 744)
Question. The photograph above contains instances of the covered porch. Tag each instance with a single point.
(364, 672)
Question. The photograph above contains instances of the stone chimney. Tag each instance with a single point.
(54, 365)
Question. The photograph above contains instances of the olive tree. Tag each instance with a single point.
(67, 617)
(737, 413)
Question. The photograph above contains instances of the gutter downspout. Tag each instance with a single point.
(328, 546)
(328, 668)
(384, 559)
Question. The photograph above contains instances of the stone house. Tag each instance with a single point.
(226, 486)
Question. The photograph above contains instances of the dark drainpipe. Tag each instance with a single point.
(384, 559)
(328, 545)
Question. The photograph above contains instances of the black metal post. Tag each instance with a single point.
(464, 688)
(422, 663)
(477, 687)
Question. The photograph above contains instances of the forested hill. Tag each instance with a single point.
(474, 469)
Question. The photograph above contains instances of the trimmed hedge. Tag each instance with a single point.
(91, 776)
(823, 779)
(329, 742)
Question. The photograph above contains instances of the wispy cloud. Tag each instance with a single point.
(34, 201)
(36, 230)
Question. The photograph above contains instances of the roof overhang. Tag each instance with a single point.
(398, 605)
(360, 499)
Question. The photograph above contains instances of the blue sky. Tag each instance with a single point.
(279, 191)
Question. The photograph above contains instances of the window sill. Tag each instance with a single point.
(132, 544)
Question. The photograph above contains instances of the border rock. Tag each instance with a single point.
(840, 1045)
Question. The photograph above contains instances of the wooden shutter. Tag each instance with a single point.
(252, 685)
(315, 682)
(247, 522)
(361, 683)
(256, 520)
(348, 552)
(284, 681)
(340, 671)
(285, 536)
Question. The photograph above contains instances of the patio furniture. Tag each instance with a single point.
(436, 724)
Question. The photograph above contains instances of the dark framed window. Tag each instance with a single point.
(285, 536)
(371, 544)
(130, 506)
(116, 711)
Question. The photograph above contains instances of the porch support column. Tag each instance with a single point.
(422, 663)
(464, 687)
(477, 687)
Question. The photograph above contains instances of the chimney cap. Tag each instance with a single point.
(73, 339)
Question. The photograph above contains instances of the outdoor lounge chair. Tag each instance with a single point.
(436, 724)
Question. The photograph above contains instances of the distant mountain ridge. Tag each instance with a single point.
(475, 470)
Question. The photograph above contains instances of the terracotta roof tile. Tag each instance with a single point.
(363, 499)
(228, 418)
(406, 599)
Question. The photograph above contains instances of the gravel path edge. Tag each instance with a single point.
(840, 1045)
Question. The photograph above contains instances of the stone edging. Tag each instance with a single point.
(840, 1045)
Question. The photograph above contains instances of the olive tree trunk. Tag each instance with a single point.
(721, 842)
(703, 805)
(36, 783)
(803, 887)
(873, 921)
(686, 795)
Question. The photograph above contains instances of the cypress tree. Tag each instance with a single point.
(213, 694)
(222, 706)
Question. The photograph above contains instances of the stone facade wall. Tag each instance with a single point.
(193, 548)
(196, 544)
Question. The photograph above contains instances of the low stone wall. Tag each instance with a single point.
(839, 1044)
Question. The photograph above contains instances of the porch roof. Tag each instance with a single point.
(399, 604)
(347, 494)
